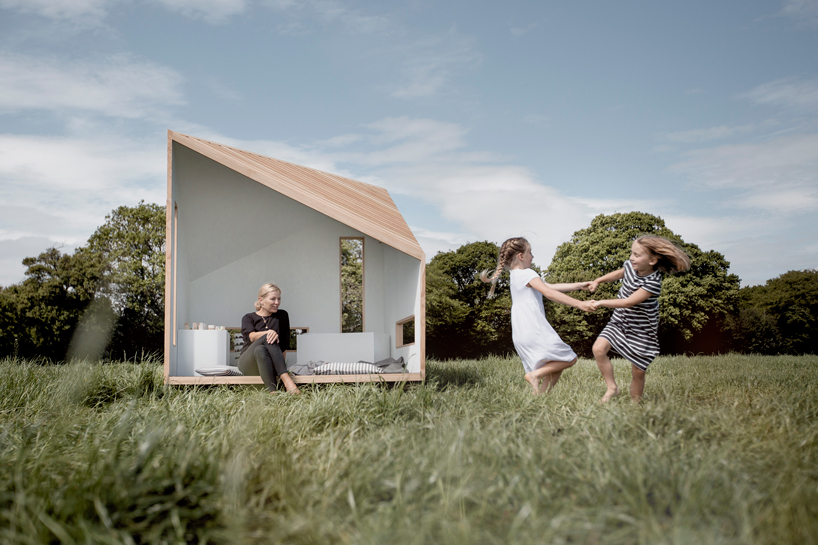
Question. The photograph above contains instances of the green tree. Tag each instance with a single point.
(460, 321)
(352, 284)
(131, 243)
(780, 317)
(39, 315)
(694, 306)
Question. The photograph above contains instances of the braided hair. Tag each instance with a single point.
(509, 249)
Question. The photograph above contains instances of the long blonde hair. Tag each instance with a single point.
(264, 290)
(510, 248)
(671, 258)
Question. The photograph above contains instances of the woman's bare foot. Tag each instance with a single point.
(609, 394)
(289, 385)
(535, 383)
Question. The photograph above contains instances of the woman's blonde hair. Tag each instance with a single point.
(510, 248)
(671, 258)
(264, 290)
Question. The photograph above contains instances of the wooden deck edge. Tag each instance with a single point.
(299, 379)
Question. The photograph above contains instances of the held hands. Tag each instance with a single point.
(592, 286)
(587, 306)
(584, 286)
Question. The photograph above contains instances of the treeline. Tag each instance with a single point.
(104, 300)
(107, 298)
(703, 311)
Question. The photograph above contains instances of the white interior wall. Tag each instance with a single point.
(236, 234)
(403, 276)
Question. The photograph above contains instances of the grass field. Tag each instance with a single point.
(722, 450)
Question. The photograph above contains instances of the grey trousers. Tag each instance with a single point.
(265, 360)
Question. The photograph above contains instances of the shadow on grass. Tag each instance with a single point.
(452, 374)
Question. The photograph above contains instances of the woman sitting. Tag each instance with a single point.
(266, 337)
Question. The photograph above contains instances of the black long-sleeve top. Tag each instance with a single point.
(278, 322)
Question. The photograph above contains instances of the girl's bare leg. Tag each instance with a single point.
(601, 349)
(549, 373)
(637, 384)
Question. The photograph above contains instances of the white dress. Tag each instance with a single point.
(534, 339)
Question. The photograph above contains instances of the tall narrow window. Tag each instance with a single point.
(352, 285)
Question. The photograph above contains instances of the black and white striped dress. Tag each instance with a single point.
(634, 332)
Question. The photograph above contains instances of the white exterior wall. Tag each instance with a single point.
(236, 234)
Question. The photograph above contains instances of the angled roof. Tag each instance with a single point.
(364, 207)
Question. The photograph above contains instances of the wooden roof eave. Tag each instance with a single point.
(276, 181)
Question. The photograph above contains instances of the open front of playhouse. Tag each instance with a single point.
(238, 220)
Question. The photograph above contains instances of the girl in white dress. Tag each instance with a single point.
(541, 350)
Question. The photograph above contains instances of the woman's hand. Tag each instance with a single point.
(272, 337)
(592, 286)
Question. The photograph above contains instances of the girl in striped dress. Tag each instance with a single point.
(633, 331)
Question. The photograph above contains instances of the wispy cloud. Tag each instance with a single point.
(120, 86)
(518, 30)
(779, 176)
(307, 16)
(705, 135)
(802, 11)
(431, 64)
(57, 190)
(87, 11)
(791, 93)
(210, 11)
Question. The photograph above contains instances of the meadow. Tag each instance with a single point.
(721, 450)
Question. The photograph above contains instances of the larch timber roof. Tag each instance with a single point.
(362, 206)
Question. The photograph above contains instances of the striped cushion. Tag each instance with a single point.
(340, 368)
(220, 371)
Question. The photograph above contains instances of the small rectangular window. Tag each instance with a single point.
(405, 332)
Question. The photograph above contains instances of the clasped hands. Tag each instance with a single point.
(591, 305)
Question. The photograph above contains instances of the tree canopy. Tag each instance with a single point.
(131, 243)
(111, 289)
(694, 306)
(780, 316)
(39, 315)
(460, 321)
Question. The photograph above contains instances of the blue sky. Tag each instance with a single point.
(484, 120)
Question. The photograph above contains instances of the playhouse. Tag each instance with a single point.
(237, 220)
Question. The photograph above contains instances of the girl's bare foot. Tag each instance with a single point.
(535, 382)
(609, 394)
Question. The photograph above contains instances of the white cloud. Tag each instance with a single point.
(803, 11)
(705, 135)
(788, 92)
(310, 15)
(62, 188)
(779, 176)
(89, 11)
(211, 11)
(431, 64)
(525, 29)
(119, 86)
